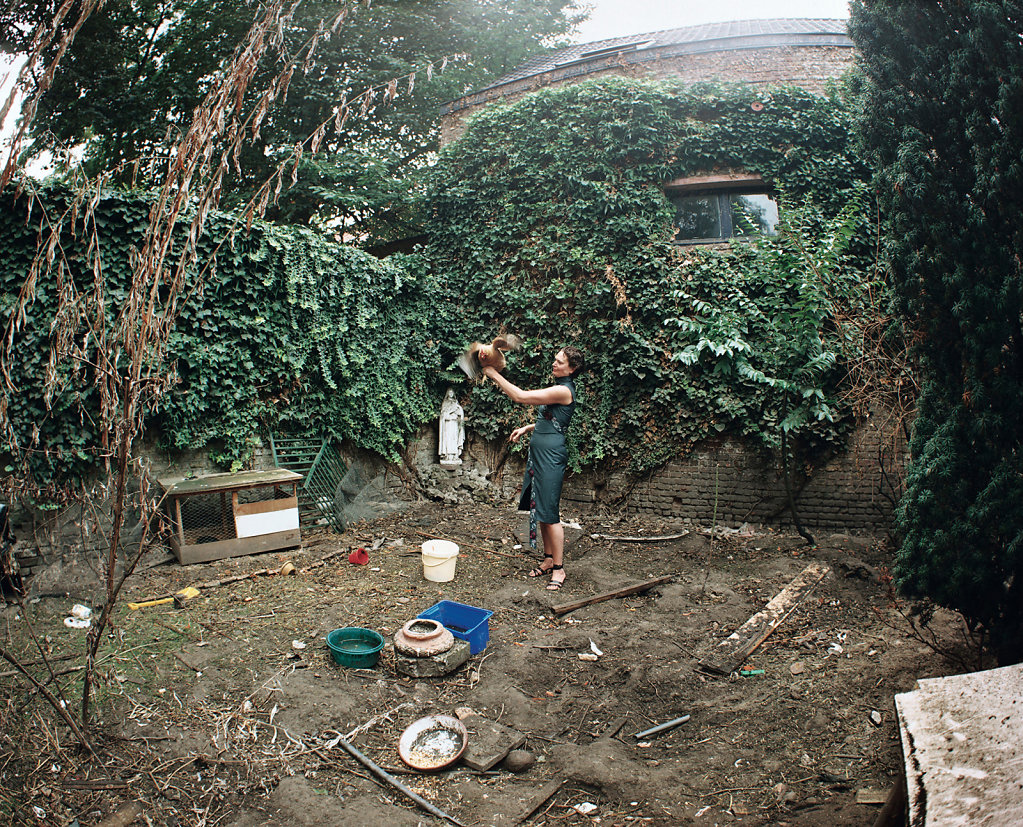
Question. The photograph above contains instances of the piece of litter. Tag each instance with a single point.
(701, 811)
(585, 808)
(375, 568)
(594, 649)
(587, 656)
(875, 717)
(835, 649)
(643, 744)
(517, 545)
(81, 612)
(77, 623)
(297, 644)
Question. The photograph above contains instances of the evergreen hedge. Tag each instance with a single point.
(943, 123)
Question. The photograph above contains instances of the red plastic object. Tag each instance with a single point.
(359, 557)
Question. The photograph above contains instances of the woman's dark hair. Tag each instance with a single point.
(575, 358)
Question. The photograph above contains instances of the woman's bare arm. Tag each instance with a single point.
(554, 395)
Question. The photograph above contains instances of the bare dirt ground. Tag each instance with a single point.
(223, 713)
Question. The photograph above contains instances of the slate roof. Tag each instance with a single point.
(735, 34)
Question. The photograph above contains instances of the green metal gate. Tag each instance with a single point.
(322, 470)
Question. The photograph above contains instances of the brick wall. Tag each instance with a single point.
(731, 483)
(808, 67)
(722, 482)
(727, 482)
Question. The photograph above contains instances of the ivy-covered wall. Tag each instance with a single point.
(289, 331)
(549, 219)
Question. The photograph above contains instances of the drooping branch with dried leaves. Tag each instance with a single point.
(118, 345)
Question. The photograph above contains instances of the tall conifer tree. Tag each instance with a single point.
(943, 126)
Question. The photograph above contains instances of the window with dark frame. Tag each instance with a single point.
(713, 209)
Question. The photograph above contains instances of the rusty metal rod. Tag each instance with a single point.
(382, 774)
(646, 733)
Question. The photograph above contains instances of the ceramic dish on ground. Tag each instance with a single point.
(433, 742)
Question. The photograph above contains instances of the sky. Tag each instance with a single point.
(614, 18)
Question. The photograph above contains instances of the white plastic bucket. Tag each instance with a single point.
(439, 558)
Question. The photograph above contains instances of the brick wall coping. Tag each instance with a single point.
(569, 63)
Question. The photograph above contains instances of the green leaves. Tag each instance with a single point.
(549, 217)
(291, 331)
(944, 127)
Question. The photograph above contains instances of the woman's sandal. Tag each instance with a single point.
(540, 571)
(554, 585)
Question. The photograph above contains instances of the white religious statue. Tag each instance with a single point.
(452, 430)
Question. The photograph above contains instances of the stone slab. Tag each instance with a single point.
(435, 665)
(962, 745)
(489, 742)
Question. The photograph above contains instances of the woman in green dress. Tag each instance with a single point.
(547, 458)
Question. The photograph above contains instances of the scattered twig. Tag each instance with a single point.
(659, 538)
(461, 543)
(383, 716)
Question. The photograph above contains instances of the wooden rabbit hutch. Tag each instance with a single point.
(229, 515)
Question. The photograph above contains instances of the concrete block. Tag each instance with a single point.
(434, 666)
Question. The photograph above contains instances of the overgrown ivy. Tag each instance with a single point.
(287, 331)
(547, 218)
(550, 219)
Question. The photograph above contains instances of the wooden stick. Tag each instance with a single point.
(615, 728)
(395, 783)
(469, 545)
(534, 803)
(624, 592)
(657, 539)
(741, 643)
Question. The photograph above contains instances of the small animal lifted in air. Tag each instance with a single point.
(479, 355)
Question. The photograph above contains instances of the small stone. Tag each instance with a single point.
(797, 668)
(875, 717)
(518, 760)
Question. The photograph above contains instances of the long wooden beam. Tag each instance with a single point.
(732, 652)
(611, 595)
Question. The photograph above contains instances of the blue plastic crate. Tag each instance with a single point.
(464, 622)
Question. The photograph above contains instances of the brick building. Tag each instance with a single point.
(721, 480)
(799, 52)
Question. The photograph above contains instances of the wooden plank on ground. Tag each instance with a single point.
(729, 655)
(611, 595)
(536, 801)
